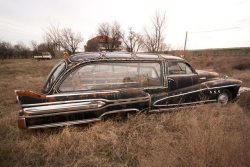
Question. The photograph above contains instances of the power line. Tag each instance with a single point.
(207, 31)
(220, 29)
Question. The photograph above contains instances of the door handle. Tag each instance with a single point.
(202, 78)
(170, 79)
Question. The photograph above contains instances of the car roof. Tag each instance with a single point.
(87, 56)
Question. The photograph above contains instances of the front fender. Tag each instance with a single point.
(221, 82)
(219, 85)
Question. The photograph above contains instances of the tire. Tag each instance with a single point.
(224, 97)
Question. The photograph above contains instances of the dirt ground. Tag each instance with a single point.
(210, 135)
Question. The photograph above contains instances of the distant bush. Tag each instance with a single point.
(245, 65)
(9, 51)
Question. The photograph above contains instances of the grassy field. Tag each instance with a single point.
(210, 135)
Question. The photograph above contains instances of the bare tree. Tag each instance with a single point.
(111, 34)
(70, 40)
(58, 37)
(52, 39)
(133, 41)
(34, 47)
(154, 38)
(52, 35)
(104, 30)
(20, 50)
(115, 35)
(46, 47)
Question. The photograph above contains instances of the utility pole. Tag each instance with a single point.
(185, 44)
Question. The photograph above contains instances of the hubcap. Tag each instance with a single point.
(223, 98)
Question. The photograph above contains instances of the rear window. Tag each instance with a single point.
(113, 76)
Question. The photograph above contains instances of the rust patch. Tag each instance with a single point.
(22, 123)
(30, 94)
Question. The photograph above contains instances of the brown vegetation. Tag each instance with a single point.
(209, 135)
(233, 66)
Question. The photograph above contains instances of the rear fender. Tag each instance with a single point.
(52, 110)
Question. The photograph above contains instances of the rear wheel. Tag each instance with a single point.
(224, 97)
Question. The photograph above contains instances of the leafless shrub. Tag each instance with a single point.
(19, 50)
(242, 65)
(244, 101)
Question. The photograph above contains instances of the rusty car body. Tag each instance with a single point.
(87, 87)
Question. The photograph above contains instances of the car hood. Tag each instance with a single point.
(207, 74)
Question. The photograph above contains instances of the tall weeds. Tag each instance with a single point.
(210, 135)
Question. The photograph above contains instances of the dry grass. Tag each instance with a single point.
(210, 135)
(234, 66)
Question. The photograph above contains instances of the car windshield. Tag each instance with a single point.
(54, 74)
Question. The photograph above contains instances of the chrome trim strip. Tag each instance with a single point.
(61, 102)
(119, 111)
(78, 101)
(183, 104)
(223, 86)
(63, 107)
(154, 87)
(64, 123)
(82, 121)
(78, 111)
(181, 94)
(181, 75)
(80, 93)
(170, 109)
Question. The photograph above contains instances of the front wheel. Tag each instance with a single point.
(224, 97)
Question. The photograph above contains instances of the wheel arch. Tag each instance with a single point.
(233, 91)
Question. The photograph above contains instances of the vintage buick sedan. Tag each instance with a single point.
(87, 87)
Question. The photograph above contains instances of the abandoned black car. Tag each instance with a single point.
(87, 87)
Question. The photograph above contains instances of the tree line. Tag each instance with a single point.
(8, 51)
(151, 40)
(63, 39)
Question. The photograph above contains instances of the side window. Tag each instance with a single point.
(176, 68)
(112, 76)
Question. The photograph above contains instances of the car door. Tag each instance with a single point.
(180, 75)
(182, 80)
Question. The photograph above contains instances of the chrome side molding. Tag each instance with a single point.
(63, 107)
(85, 121)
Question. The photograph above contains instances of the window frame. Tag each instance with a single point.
(81, 65)
(184, 62)
(48, 85)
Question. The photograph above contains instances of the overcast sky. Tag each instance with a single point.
(25, 20)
